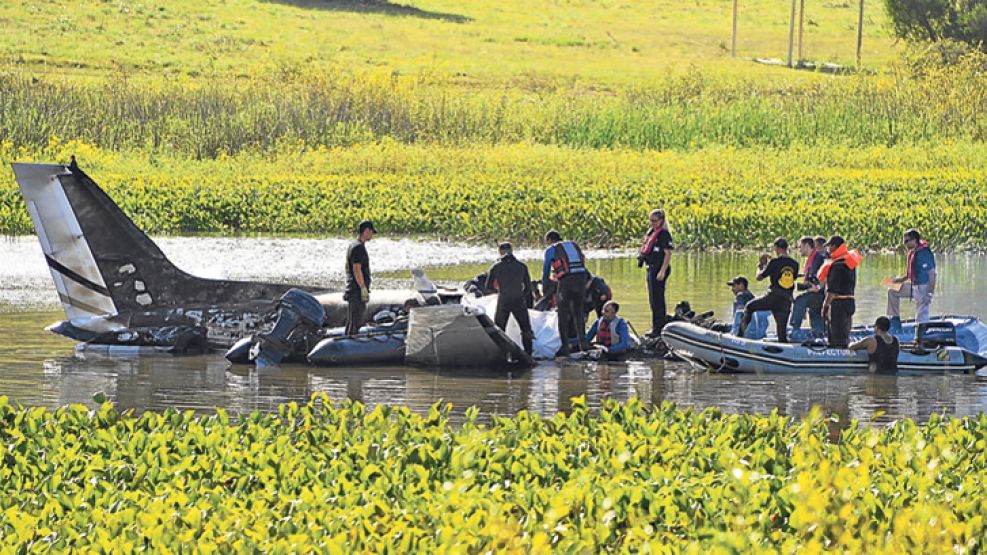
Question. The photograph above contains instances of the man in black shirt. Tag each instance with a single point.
(656, 252)
(509, 276)
(782, 270)
(841, 281)
(357, 293)
(565, 264)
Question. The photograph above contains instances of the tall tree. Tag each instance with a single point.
(935, 20)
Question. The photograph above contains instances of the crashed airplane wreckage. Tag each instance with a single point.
(122, 295)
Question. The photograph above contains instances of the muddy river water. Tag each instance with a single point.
(38, 368)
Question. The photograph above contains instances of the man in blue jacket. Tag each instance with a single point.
(610, 331)
(919, 281)
(759, 322)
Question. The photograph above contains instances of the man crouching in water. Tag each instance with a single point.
(882, 348)
(610, 332)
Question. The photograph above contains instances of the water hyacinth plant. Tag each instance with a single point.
(717, 197)
(331, 478)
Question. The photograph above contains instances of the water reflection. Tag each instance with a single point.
(42, 369)
(205, 382)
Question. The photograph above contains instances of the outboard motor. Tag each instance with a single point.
(239, 353)
(299, 316)
(931, 335)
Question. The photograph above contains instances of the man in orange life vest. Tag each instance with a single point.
(919, 281)
(782, 270)
(610, 331)
(839, 274)
(565, 264)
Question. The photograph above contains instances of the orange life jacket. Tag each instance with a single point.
(851, 258)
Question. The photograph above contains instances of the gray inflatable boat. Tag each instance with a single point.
(722, 352)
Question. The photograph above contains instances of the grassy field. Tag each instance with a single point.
(472, 42)
(491, 121)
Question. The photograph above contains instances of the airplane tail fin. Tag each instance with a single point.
(101, 262)
(81, 287)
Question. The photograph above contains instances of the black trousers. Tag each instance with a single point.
(356, 314)
(656, 298)
(569, 298)
(520, 311)
(780, 306)
(840, 321)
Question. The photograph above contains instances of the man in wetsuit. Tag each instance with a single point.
(610, 331)
(510, 278)
(357, 293)
(840, 277)
(564, 263)
(782, 270)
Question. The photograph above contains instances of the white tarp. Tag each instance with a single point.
(544, 325)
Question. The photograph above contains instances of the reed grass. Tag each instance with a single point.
(204, 120)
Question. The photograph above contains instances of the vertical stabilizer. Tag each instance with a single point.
(80, 285)
(102, 263)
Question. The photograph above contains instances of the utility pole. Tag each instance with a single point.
(733, 42)
(860, 32)
(791, 34)
(801, 21)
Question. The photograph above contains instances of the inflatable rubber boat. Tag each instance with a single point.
(722, 352)
(970, 332)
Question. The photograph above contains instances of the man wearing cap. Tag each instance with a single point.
(357, 293)
(510, 278)
(742, 295)
(782, 270)
(919, 281)
(839, 274)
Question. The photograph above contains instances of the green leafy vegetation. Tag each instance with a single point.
(324, 478)
(714, 197)
(937, 20)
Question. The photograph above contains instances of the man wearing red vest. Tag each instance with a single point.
(565, 264)
(610, 331)
(919, 281)
(810, 301)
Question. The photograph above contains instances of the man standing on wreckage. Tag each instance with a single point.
(357, 293)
